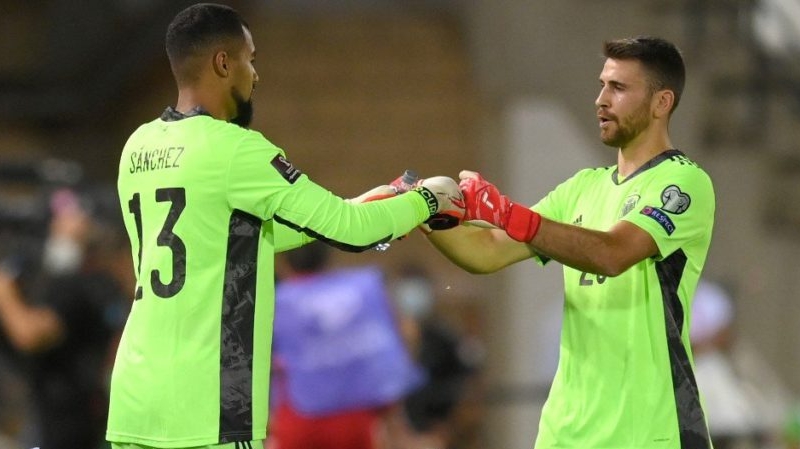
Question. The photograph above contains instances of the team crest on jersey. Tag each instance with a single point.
(630, 204)
(674, 200)
(285, 168)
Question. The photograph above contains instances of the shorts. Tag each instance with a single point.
(356, 429)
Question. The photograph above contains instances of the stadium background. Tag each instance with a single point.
(357, 90)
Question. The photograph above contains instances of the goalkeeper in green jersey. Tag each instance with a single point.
(633, 239)
(207, 203)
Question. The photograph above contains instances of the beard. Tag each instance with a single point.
(244, 110)
(628, 128)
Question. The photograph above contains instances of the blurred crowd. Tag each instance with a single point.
(747, 404)
(65, 274)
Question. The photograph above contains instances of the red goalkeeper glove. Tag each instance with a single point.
(485, 203)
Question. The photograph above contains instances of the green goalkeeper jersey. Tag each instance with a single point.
(625, 373)
(206, 205)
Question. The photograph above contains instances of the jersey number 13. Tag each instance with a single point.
(166, 237)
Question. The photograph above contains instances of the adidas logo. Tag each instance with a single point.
(578, 221)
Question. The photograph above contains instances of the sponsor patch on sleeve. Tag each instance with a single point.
(286, 169)
(659, 216)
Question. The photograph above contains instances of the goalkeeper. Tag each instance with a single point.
(206, 204)
(633, 239)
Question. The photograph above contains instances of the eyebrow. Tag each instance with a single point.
(614, 83)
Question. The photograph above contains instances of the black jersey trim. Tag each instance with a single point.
(172, 115)
(691, 418)
(237, 328)
(334, 243)
(668, 154)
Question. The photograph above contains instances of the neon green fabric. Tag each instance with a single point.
(624, 379)
(206, 205)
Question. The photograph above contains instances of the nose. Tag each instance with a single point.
(600, 101)
(602, 98)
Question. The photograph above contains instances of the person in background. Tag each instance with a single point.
(64, 327)
(13, 395)
(746, 401)
(450, 359)
(341, 367)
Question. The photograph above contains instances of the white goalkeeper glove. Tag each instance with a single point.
(445, 202)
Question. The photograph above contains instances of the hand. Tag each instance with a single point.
(407, 181)
(377, 193)
(485, 204)
(445, 202)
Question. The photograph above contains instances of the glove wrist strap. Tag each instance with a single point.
(523, 223)
(430, 199)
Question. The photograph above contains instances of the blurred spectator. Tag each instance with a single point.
(744, 399)
(64, 323)
(340, 364)
(450, 360)
(12, 405)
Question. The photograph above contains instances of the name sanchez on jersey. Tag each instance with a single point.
(158, 159)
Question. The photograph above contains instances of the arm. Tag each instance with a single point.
(287, 238)
(278, 190)
(606, 253)
(479, 250)
(30, 329)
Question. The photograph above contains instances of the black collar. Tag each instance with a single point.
(172, 115)
(672, 152)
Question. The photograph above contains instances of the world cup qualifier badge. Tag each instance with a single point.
(286, 169)
(674, 200)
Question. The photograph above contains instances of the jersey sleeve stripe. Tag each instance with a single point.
(336, 244)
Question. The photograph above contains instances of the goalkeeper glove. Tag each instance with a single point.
(484, 202)
(445, 202)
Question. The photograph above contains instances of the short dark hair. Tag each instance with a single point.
(198, 28)
(661, 59)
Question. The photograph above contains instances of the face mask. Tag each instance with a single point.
(62, 256)
(414, 297)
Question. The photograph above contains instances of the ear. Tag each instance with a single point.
(221, 63)
(662, 102)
